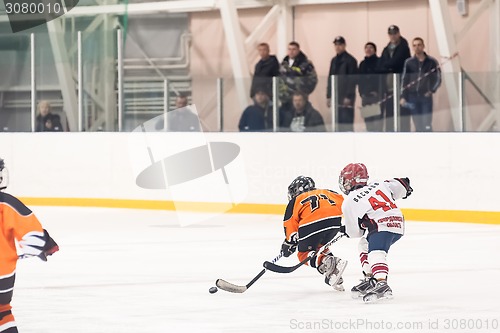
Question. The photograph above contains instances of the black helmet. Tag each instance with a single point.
(300, 185)
(4, 175)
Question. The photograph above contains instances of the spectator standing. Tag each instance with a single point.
(345, 66)
(421, 78)
(47, 121)
(259, 116)
(297, 74)
(392, 61)
(267, 67)
(369, 86)
(301, 117)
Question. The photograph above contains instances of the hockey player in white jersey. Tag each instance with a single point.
(370, 213)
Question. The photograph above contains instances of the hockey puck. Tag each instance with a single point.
(213, 290)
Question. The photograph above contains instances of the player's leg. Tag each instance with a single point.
(364, 285)
(7, 323)
(378, 246)
(327, 264)
(427, 114)
(363, 256)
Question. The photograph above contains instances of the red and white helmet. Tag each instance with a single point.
(353, 175)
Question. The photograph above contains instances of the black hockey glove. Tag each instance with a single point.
(406, 183)
(342, 231)
(288, 248)
(49, 248)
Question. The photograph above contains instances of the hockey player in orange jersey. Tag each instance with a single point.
(17, 222)
(312, 218)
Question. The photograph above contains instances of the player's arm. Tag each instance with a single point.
(32, 238)
(351, 221)
(291, 227)
(38, 245)
(400, 187)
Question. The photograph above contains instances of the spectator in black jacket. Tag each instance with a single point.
(181, 119)
(369, 85)
(345, 66)
(392, 61)
(259, 116)
(302, 117)
(267, 67)
(297, 74)
(421, 78)
(47, 121)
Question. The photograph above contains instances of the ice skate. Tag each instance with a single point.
(362, 288)
(332, 268)
(339, 286)
(380, 290)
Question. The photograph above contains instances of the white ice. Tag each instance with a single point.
(138, 271)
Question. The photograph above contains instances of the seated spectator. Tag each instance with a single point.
(297, 73)
(267, 67)
(47, 121)
(259, 116)
(370, 89)
(182, 119)
(302, 117)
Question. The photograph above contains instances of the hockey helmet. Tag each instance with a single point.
(4, 175)
(300, 185)
(354, 175)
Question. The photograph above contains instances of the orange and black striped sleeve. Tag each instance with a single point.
(18, 223)
(291, 221)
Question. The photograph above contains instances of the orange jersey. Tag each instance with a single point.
(312, 212)
(17, 222)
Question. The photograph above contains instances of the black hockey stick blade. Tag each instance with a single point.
(284, 269)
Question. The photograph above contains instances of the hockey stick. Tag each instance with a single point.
(227, 286)
(26, 256)
(283, 269)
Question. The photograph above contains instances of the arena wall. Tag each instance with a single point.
(454, 175)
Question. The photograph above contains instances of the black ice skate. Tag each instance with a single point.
(380, 290)
(362, 288)
(332, 268)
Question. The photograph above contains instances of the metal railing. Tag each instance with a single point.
(215, 97)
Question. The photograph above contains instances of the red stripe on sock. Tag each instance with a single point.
(380, 268)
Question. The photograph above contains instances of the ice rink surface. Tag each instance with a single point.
(130, 271)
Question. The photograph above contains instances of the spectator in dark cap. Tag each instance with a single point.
(345, 66)
(369, 85)
(393, 29)
(392, 61)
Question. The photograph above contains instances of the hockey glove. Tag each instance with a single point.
(342, 230)
(406, 183)
(49, 248)
(289, 247)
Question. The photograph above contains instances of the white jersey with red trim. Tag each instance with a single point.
(372, 208)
